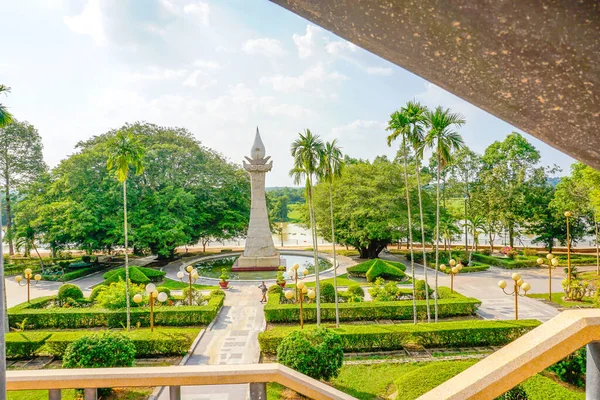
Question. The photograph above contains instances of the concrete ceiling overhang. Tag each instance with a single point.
(533, 64)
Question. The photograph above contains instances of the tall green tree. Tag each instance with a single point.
(307, 152)
(21, 162)
(125, 153)
(330, 168)
(443, 139)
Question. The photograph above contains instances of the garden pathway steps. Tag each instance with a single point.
(231, 339)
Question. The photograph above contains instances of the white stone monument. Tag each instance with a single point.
(260, 253)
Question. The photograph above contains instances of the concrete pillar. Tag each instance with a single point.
(90, 394)
(174, 392)
(592, 376)
(54, 394)
(258, 391)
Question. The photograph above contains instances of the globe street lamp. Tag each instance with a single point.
(296, 275)
(567, 215)
(27, 275)
(552, 263)
(301, 290)
(519, 285)
(453, 270)
(153, 295)
(192, 277)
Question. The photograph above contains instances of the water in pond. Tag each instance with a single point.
(212, 268)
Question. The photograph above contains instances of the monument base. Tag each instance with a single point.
(244, 263)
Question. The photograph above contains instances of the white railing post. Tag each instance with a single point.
(174, 392)
(54, 394)
(90, 394)
(592, 374)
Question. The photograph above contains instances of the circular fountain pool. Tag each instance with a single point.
(212, 268)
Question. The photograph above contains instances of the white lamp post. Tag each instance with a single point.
(192, 274)
(153, 295)
(519, 284)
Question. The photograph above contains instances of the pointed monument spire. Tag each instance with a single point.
(258, 148)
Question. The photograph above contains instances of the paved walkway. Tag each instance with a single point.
(232, 339)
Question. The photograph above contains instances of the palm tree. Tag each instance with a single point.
(476, 225)
(330, 167)
(5, 116)
(443, 139)
(449, 229)
(415, 113)
(400, 127)
(307, 151)
(124, 153)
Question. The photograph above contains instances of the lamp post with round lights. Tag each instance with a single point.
(153, 295)
(453, 270)
(26, 279)
(552, 263)
(297, 275)
(192, 277)
(567, 215)
(519, 284)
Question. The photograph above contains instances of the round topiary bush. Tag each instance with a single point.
(275, 289)
(356, 290)
(100, 350)
(68, 290)
(317, 353)
(420, 289)
(96, 291)
(164, 289)
(327, 292)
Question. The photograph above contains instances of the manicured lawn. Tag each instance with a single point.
(178, 285)
(558, 299)
(294, 212)
(408, 381)
(590, 277)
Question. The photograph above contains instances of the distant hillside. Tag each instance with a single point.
(553, 181)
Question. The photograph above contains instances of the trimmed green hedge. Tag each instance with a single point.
(373, 269)
(504, 262)
(466, 270)
(135, 275)
(366, 338)
(162, 342)
(457, 305)
(37, 317)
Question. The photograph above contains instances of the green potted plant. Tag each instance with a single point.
(280, 278)
(224, 279)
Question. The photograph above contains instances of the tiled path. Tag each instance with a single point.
(232, 339)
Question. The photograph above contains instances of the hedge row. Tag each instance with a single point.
(78, 273)
(466, 270)
(504, 262)
(367, 338)
(368, 311)
(163, 342)
(36, 317)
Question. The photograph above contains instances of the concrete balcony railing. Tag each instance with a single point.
(528, 355)
(172, 377)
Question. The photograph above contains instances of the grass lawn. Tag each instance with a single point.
(70, 394)
(557, 298)
(178, 285)
(408, 381)
(591, 277)
(294, 212)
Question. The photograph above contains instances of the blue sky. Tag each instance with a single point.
(217, 68)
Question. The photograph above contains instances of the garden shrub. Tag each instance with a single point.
(356, 290)
(39, 317)
(317, 353)
(486, 252)
(161, 289)
(68, 290)
(384, 291)
(571, 369)
(373, 269)
(457, 305)
(86, 258)
(529, 252)
(419, 381)
(420, 290)
(155, 275)
(275, 289)
(78, 265)
(380, 337)
(135, 276)
(114, 297)
(100, 350)
(96, 291)
(197, 297)
(539, 387)
(327, 292)
(516, 393)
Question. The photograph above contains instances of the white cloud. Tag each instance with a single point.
(340, 47)
(357, 128)
(207, 65)
(199, 79)
(89, 22)
(315, 73)
(381, 71)
(200, 10)
(274, 107)
(156, 74)
(306, 43)
(266, 46)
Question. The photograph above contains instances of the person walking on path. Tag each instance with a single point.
(263, 288)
